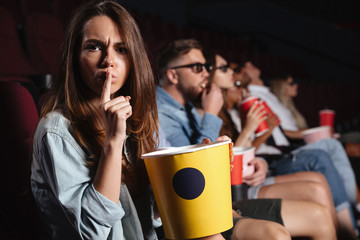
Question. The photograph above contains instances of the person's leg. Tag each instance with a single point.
(318, 161)
(307, 219)
(293, 186)
(254, 229)
(299, 186)
(341, 162)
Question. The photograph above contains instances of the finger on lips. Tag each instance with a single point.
(106, 93)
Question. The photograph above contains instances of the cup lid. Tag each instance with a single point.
(249, 98)
(181, 150)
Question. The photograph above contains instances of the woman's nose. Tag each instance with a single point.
(108, 60)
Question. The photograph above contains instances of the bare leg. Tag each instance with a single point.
(307, 219)
(295, 187)
(342, 219)
(253, 229)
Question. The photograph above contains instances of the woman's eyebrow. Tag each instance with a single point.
(120, 44)
(94, 41)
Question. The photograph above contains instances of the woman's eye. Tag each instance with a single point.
(93, 47)
(122, 50)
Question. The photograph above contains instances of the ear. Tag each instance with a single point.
(172, 76)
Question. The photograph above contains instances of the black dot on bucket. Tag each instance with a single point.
(188, 183)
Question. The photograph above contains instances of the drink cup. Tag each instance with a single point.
(248, 155)
(315, 134)
(327, 117)
(241, 168)
(266, 107)
(247, 103)
(245, 106)
(192, 189)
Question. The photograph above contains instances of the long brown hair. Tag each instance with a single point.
(67, 93)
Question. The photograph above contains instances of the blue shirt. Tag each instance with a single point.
(61, 181)
(174, 121)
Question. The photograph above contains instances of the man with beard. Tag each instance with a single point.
(183, 80)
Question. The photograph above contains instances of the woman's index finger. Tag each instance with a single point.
(106, 92)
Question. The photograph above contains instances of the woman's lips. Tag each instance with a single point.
(102, 77)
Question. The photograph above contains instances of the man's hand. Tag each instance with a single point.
(259, 175)
(212, 100)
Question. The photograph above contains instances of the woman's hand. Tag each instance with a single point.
(115, 112)
(272, 122)
(254, 117)
(223, 138)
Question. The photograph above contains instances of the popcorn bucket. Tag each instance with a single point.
(191, 186)
(315, 134)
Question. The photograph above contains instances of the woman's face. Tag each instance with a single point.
(291, 89)
(224, 75)
(102, 51)
(234, 95)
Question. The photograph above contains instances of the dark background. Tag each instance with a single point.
(315, 41)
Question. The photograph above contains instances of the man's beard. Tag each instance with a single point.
(190, 94)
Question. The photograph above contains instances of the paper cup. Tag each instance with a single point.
(238, 167)
(315, 134)
(246, 154)
(327, 117)
(269, 112)
(245, 106)
(191, 186)
(242, 157)
(247, 103)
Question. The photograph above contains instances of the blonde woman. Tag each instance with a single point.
(286, 89)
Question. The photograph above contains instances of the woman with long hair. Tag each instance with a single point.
(98, 118)
(285, 89)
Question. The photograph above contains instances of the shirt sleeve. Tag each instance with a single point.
(66, 171)
(176, 135)
(210, 127)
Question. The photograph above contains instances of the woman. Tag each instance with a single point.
(286, 89)
(96, 122)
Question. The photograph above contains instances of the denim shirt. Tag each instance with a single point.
(61, 181)
(174, 121)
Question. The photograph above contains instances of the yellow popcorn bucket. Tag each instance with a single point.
(192, 189)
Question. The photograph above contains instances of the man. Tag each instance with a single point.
(183, 79)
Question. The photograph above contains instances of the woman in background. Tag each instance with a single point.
(285, 90)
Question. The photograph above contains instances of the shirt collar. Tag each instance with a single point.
(163, 96)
